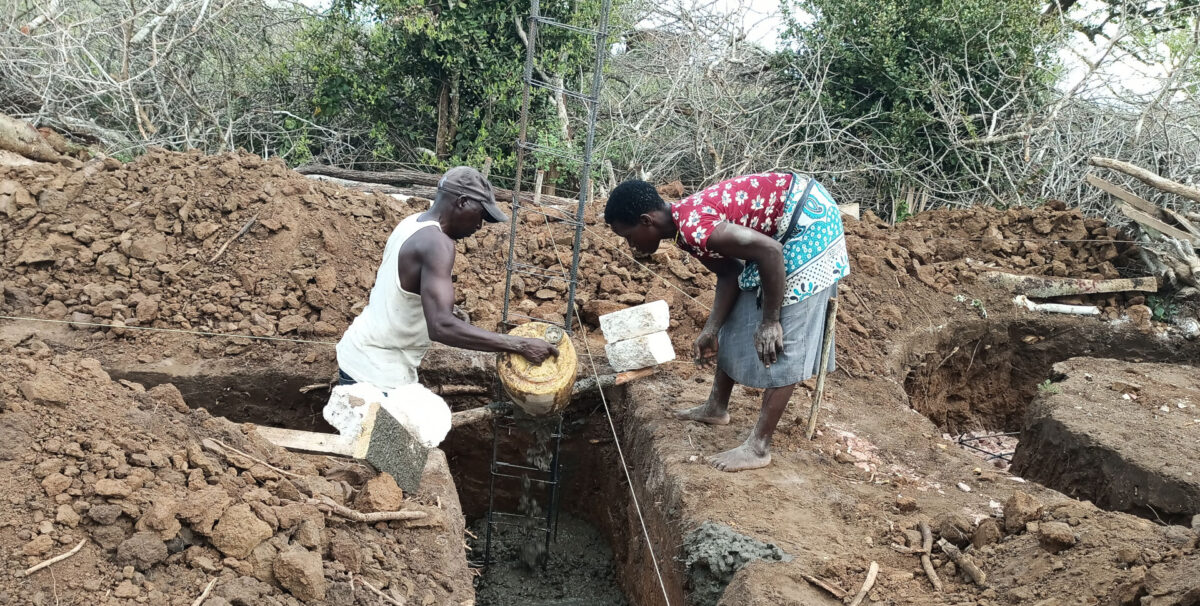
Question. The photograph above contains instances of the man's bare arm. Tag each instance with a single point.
(437, 301)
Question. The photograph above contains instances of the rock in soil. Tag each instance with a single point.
(1019, 510)
(300, 573)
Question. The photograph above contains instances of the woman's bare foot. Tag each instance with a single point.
(705, 413)
(739, 459)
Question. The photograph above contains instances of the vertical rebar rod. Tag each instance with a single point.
(585, 177)
(523, 131)
(487, 545)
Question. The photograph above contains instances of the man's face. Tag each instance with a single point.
(468, 218)
(643, 237)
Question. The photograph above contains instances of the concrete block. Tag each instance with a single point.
(635, 321)
(640, 352)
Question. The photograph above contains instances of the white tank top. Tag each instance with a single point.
(386, 342)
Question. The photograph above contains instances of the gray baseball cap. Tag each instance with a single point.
(466, 181)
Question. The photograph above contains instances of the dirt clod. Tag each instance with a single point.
(300, 573)
(1055, 536)
(1019, 510)
(239, 531)
(381, 493)
(142, 551)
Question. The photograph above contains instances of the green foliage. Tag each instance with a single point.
(1049, 387)
(891, 61)
(1164, 309)
(439, 81)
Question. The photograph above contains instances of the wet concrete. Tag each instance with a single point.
(579, 570)
(713, 553)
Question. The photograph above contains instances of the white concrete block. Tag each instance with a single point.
(640, 352)
(423, 413)
(635, 321)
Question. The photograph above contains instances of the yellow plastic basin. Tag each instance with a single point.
(545, 388)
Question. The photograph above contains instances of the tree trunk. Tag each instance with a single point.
(445, 134)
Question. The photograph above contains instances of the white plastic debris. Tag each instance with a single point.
(423, 413)
(963, 487)
(1058, 308)
(1165, 408)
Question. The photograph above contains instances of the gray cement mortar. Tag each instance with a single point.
(713, 553)
(578, 571)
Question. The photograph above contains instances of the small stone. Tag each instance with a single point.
(906, 504)
(347, 552)
(160, 518)
(1180, 536)
(112, 488)
(127, 590)
(1055, 536)
(38, 546)
(954, 527)
(56, 483)
(291, 324)
(1020, 509)
(47, 389)
(67, 516)
(987, 533)
(149, 248)
(239, 531)
(104, 514)
(381, 493)
(300, 573)
(142, 550)
(47, 467)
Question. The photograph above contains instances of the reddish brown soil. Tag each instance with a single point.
(1121, 434)
(130, 244)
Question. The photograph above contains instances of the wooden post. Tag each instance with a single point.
(826, 352)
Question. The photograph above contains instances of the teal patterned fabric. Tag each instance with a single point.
(815, 257)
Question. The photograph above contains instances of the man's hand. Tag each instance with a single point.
(535, 350)
(705, 349)
(768, 342)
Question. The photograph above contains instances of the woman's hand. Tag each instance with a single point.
(704, 352)
(768, 342)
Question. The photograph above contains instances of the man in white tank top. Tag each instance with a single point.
(412, 302)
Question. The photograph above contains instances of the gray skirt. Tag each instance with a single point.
(803, 324)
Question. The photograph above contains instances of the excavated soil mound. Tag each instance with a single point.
(1120, 434)
(136, 245)
(162, 504)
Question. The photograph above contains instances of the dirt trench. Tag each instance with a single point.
(982, 377)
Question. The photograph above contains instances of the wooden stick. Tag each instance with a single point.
(1155, 225)
(964, 562)
(204, 596)
(826, 351)
(210, 443)
(872, 572)
(413, 183)
(358, 516)
(926, 563)
(1134, 200)
(1049, 286)
(387, 598)
(241, 232)
(1147, 177)
(53, 560)
(833, 590)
